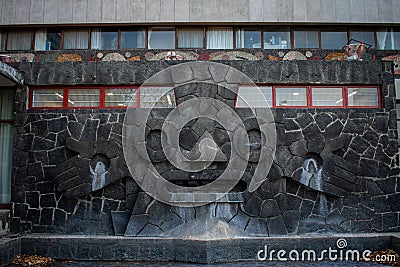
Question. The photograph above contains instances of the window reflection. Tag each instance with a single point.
(277, 38)
(306, 39)
(161, 38)
(248, 38)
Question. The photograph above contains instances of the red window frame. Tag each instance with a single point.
(309, 89)
(101, 97)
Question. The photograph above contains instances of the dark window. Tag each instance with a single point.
(104, 39)
(161, 38)
(363, 35)
(248, 38)
(277, 38)
(333, 38)
(47, 39)
(133, 39)
(306, 38)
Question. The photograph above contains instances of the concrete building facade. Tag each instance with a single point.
(69, 66)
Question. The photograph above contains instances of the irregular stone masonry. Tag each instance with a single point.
(357, 150)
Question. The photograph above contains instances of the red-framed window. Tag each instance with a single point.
(84, 97)
(308, 96)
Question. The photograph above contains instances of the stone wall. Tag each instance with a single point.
(357, 150)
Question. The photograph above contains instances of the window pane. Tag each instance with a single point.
(133, 39)
(364, 97)
(219, 38)
(2, 41)
(306, 39)
(327, 97)
(19, 40)
(254, 97)
(6, 104)
(120, 97)
(83, 97)
(47, 39)
(190, 37)
(364, 36)
(388, 39)
(50, 98)
(151, 94)
(333, 39)
(277, 38)
(291, 96)
(161, 38)
(248, 38)
(6, 134)
(76, 39)
(104, 39)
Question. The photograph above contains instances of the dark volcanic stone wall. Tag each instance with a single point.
(356, 149)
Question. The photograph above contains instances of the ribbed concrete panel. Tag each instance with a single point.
(270, 8)
(108, 11)
(256, 10)
(214, 10)
(196, 10)
(153, 10)
(65, 11)
(357, 11)
(314, 12)
(343, 10)
(94, 11)
(8, 12)
(371, 10)
(22, 11)
(15, 12)
(328, 9)
(300, 11)
(50, 16)
(285, 8)
(36, 11)
(138, 8)
(385, 10)
(167, 12)
(182, 10)
(79, 9)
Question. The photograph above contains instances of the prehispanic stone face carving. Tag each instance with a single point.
(334, 170)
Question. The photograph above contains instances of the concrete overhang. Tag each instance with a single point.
(9, 76)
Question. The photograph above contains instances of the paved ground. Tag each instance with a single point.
(244, 264)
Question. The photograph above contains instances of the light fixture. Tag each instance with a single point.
(296, 93)
(340, 100)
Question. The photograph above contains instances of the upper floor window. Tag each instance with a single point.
(19, 40)
(104, 39)
(47, 39)
(161, 38)
(277, 38)
(76, 39)
(388, 39)
(248, 38)
(306, 38)
(219, 38)
(133, 38)
(190, 37)
(2, 41)
(333, 38)
(363, 35)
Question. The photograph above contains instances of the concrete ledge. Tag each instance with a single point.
(9, 249)
(112, 248)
